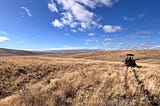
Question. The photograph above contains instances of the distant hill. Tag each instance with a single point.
(151, 56)
(72, 50)
(4, 51)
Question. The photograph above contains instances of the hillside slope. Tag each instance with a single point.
(5, 52)
(145, 56)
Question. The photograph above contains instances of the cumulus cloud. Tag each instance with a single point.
(52, 6)
(26, 10)
(110, 28)
(3, 38)
(57, 23)
(3, 32)
(76, 13)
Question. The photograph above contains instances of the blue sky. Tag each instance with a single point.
(79, 24)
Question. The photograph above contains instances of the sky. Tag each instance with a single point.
(79, 24)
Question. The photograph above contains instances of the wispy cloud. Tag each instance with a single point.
(3, 38)
(107, 39)
(3, 32)
(133, 18)
(145, 45)
(110, 28)
(138, 36)
(110, 44)
(66, 48)
(95, 40)
(144, 32)
(155, 47)
(73, 30)
(129, 18)
(76, 13)
(129, 45)
(141, 15)
(26, 10)
(73, 48)
(91, 34)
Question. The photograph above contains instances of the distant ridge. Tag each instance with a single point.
(4, 51)
(72, 50)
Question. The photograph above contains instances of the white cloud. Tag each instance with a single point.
(155, 47)
(121, 43)
(92, 40)
(26, 10)
(73, 30)
(3, 38)
(138, 36)
(56, 23)
(3, 32)
(75, 48)
(144, 32)
(141, 15)
(129, 18)
(141, 34)
(110, 28)
(52, 6)
(79, 13)
(91, 34)
(76, 13)
(108, 39)
(138, 16)
(64, 48)
(146, 45)
(94, 3)
(69, 48)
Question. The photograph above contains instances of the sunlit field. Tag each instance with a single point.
(79, 79)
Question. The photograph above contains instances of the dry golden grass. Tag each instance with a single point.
(77, 79)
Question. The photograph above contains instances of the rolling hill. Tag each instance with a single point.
(4, 51)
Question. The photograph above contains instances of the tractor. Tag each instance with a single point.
(129, 61)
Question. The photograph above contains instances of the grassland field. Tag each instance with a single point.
(78, 79)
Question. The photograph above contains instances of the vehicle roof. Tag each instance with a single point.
(130, 54)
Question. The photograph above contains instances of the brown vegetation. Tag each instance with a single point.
(78, 79)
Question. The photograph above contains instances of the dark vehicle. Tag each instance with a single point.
(129, 61)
